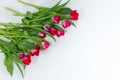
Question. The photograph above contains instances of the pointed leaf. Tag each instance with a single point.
(27, 44)
(9, 64)
(65, 11)
(25, 21)
(59, 7)
(28, 15)
(73, 24)
(20, 69)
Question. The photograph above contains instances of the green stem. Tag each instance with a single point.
(5, 24)
(41, 18)
(16, 13)
(32, 5)
(17, 25)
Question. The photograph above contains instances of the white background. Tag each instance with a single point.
(89, 52)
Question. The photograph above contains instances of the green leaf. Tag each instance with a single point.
(10, 46)
(24, 66)
(54, 7)
(7, 45)
(16, 13)
(33, 33)
(59, 7)
(35, 39)
(46, 12)
(27, 44)
(28, 15)
(65, 11)
(32, 5)
(20, 69)
(15, 58)
(25, 21)
(9, 64)
(73, 24)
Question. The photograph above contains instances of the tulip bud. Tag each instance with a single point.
(66, 23)
(59, 33)
(37, 46)
(47, 27)
(45, 45)
(34, 51)
(56, 19)
(53, 31)
(20, 55)
(74, 15)
(26, 59)
(42, 34)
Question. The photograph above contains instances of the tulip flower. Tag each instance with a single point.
(45, 45)
(59, 33)
(53, 31)
(74, 15)
(26, 59)
(56, 19)
(35, 51)
(66, 23)
(42, 34)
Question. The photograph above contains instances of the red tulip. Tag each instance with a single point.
(35, 51)
(47, 27)
(66, 23)
(53, 31)
(56, 19)
(26, 59)
(45, 45)
(37, 46)
(42, 34)
(59, 33)
(20, 55)
(74, 15)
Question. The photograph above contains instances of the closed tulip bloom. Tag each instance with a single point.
(26, 59)
(20, 55)
(66, 23)
(56, 19)
(47, 27)
(45, 45)
(60, 33)
(74, 15)
(42, 34)
(53, 31)
(35, 51)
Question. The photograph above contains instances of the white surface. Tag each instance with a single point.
(89, 52)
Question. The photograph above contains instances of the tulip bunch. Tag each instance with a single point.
(27, 39)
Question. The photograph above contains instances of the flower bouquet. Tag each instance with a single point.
(28, 38)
